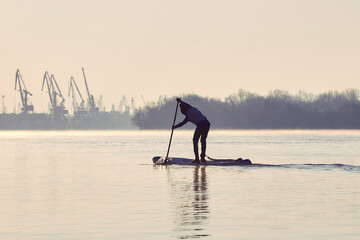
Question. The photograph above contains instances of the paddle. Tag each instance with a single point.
(172, 131)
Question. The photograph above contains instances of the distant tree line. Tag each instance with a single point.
(246, 110)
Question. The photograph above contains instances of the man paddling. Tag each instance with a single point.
(202, 128)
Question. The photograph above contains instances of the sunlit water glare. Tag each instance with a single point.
(103, 185)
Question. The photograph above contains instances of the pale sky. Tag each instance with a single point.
(156, 47)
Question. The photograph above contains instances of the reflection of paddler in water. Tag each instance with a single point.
(191, 206)
(200, 199)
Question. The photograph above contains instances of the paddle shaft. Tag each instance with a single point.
(172, 131)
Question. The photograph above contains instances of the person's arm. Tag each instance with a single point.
(181, 123)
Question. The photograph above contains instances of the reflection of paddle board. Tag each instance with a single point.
(186, 161)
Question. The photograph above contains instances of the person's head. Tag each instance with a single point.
(184, 108)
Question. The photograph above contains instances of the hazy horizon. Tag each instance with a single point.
(153, 48)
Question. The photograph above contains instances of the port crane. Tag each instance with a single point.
(58, 110)
(143, 99)
(78, 108)
(133, 104)
(19, 82)
(93, 110)
(124, 105)
(3, 104)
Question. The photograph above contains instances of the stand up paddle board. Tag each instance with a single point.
(158, 160)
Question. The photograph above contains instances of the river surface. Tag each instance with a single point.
(103, 185)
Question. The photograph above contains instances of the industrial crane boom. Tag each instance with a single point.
(23, 92)
(90, 97)
(91, 102)
(58, 92)
(87, 88)
(49, 86)
(72, 83)
(54, 91)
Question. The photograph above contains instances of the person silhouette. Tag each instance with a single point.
(194, 116)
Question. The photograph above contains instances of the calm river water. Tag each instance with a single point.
(103, 185)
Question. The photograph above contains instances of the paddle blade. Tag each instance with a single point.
(159, 160)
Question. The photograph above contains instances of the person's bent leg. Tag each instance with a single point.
(203, 147)
(196, 137)
(204, 135)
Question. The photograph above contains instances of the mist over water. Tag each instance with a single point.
(103, 185)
